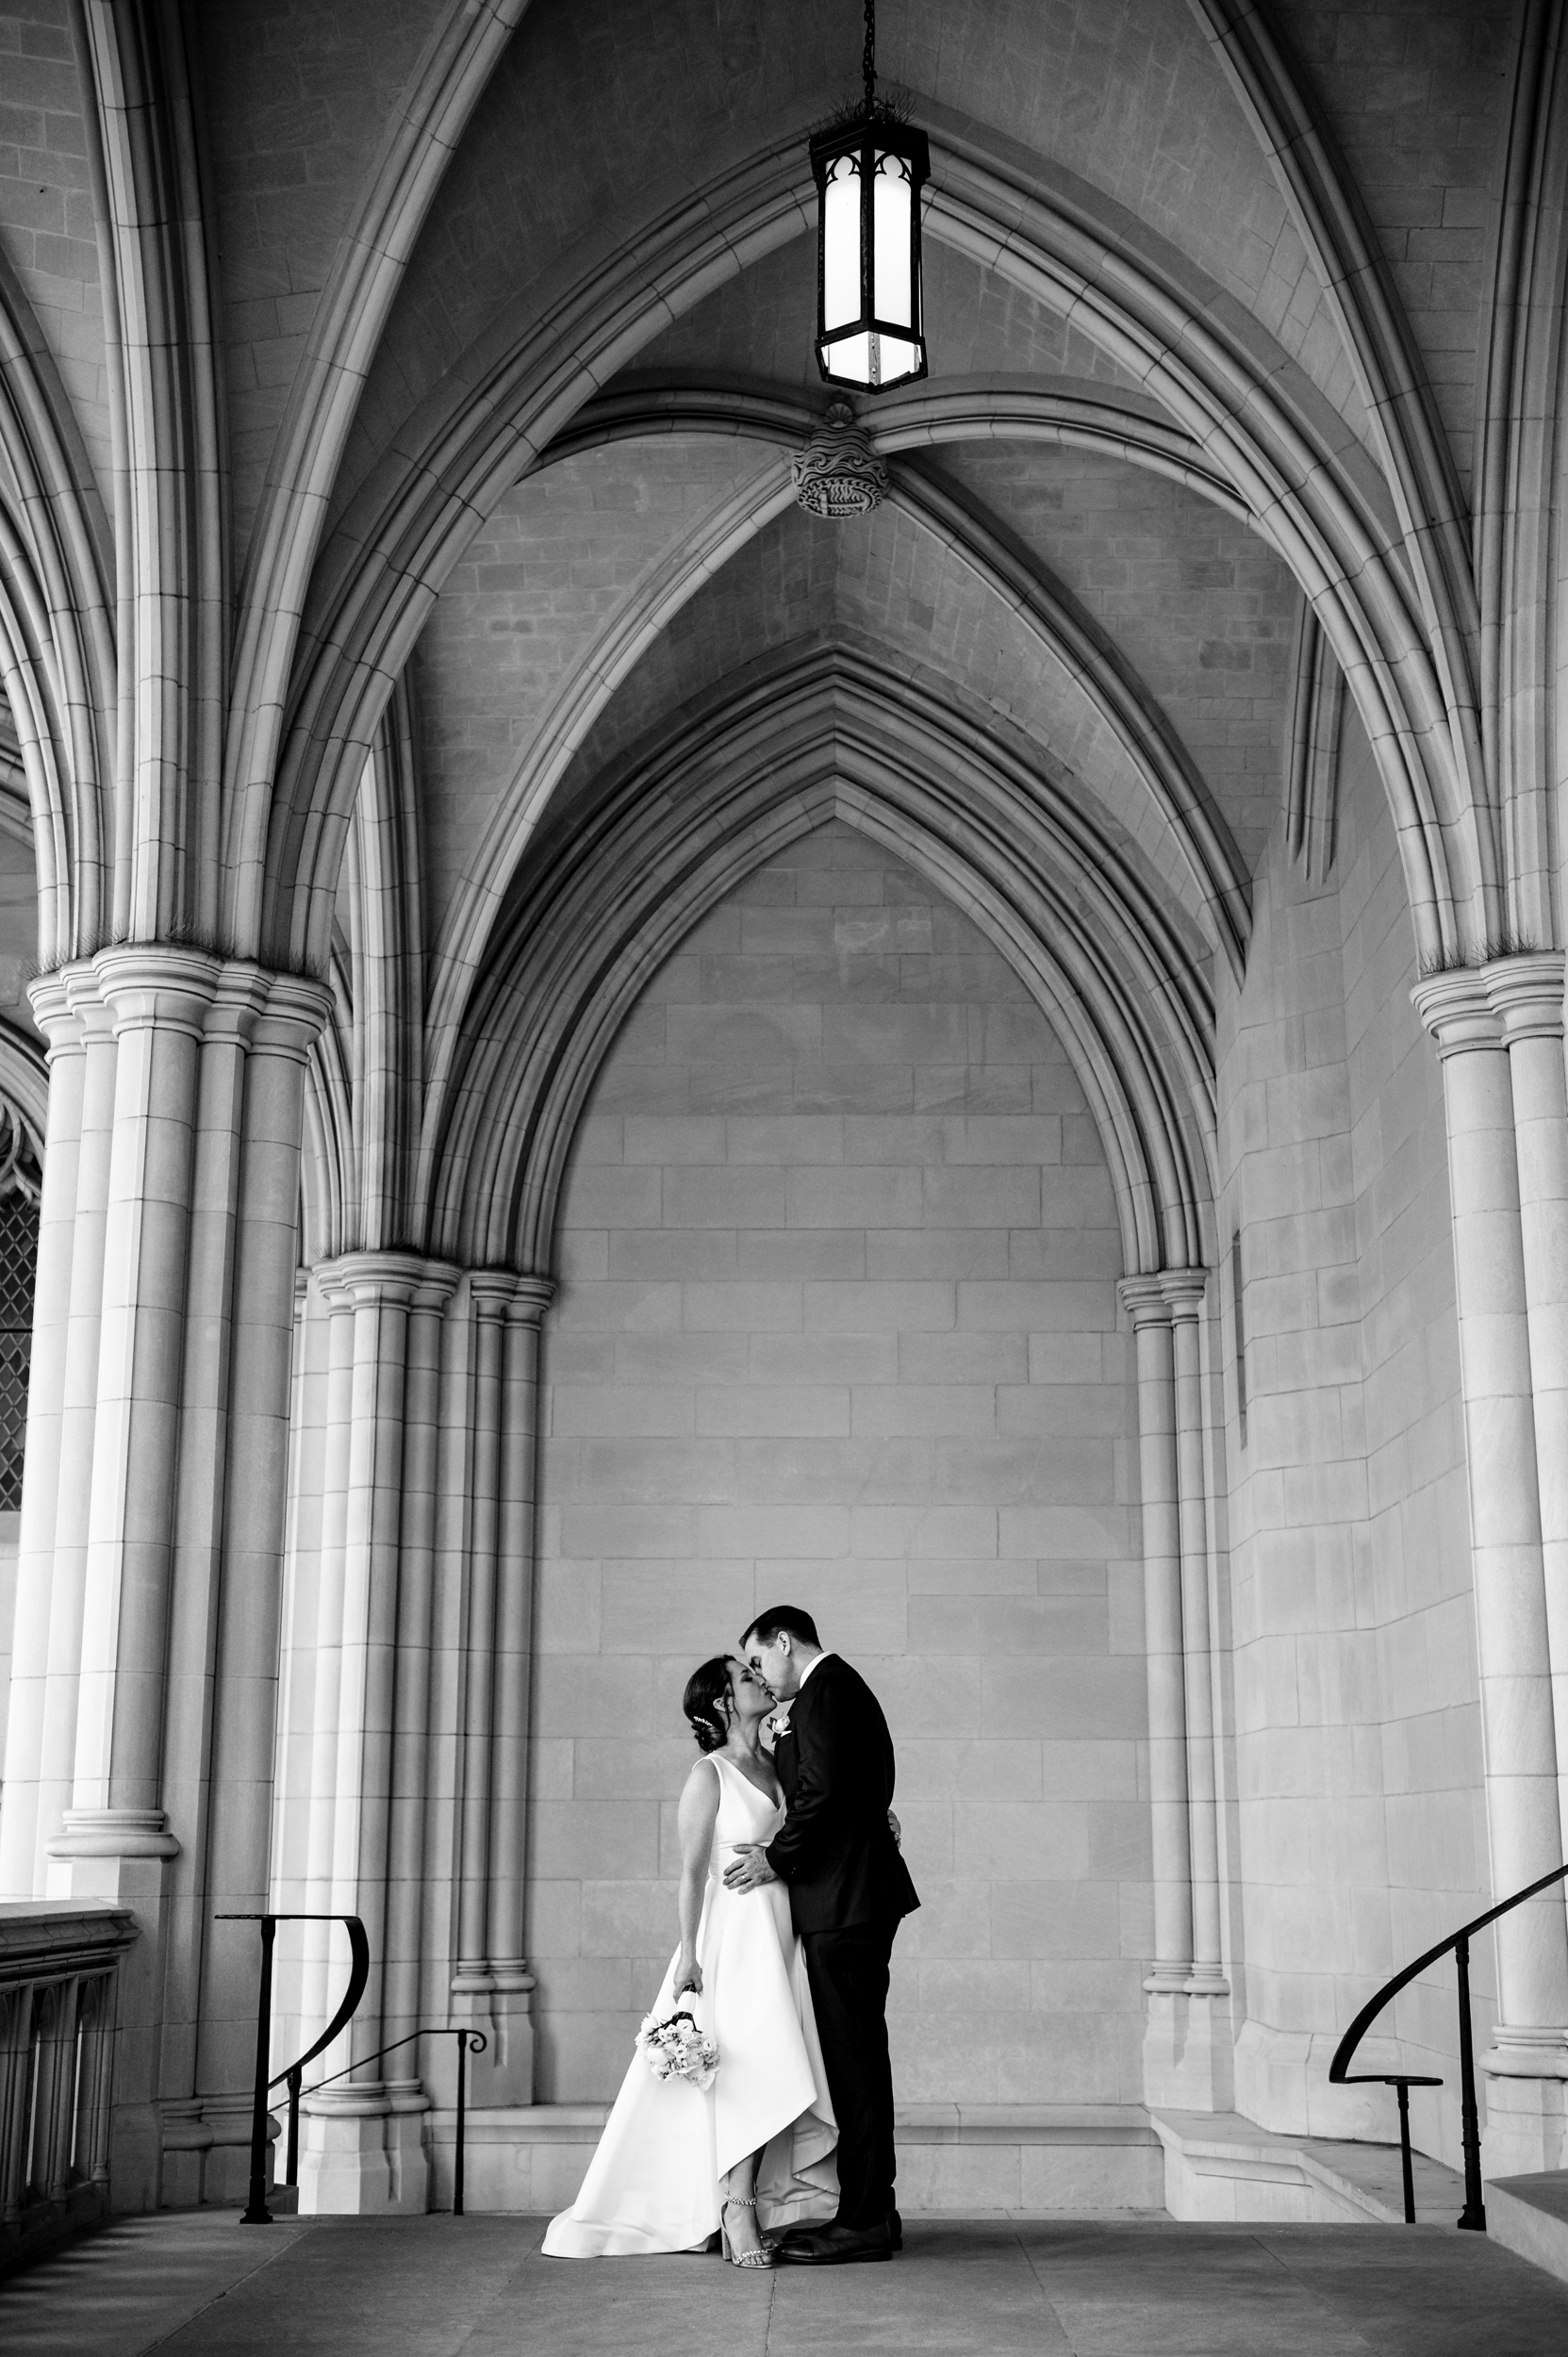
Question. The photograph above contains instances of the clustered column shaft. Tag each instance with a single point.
(1498, 1091)
(1149, 1309)
(1186, 2054)
(168, 1225)
(406, 1668)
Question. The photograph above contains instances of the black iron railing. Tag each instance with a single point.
(1474, 2214)
(256, 2213)
(469, 2042)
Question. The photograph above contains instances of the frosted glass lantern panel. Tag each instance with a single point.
(850, 358)
(841, 243)
(893, 230)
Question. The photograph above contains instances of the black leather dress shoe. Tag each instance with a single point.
(834, 2246)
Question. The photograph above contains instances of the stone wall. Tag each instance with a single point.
(1357, 1807)
(838, 1326)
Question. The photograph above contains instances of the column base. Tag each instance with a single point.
(1188, 2061)
(499, 2003)
(1526, 2102)
(362, 2153)
(185, 2142)
(226, 2164)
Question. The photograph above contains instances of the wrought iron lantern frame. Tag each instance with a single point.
(877, 131)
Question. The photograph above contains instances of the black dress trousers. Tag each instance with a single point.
(847, 1971)
(848, 1888)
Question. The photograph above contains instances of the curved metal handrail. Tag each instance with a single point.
(359, 1973)
(256, 2213)
(1474, 2212)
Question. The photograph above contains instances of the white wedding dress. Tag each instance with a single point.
(652, 2185)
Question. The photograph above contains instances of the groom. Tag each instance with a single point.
(849, 1888)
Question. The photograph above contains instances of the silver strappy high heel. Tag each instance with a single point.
(744, 2258)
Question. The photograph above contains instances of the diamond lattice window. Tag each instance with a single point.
(18, 1272)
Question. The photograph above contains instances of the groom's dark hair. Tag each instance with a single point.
(784, 1618)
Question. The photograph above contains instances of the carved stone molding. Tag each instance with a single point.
(838, 474)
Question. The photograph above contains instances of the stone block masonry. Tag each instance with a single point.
(837, 1323)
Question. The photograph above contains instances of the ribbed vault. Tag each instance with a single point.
(1092, 707)
(838, 735)
(1257, 426)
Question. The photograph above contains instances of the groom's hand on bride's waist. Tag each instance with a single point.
(750, 1869)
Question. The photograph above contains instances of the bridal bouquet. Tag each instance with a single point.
(675, 2048)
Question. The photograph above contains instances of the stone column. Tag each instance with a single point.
(346, 2166)
(1185, 1290)
(509, 2076)
(159, 998)
(490, 1293)
(1526, 993)
(79, 1403)
(401, 2000)
(316, 1644)
(1187, 2046)
(23, 1824)
(198, 1536)
(1146, 1303)
(245, 1665)
(297, 1668)
(1168, 2005)
(1523, 2123)
(440, 1912)
(116, 1843)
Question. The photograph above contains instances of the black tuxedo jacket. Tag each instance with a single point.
(834, 1849)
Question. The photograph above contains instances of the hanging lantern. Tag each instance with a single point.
(870, 172)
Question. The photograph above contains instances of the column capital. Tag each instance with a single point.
(175, 986)
(1458, 1013)
(1184, 1289)
(1526, 993)
(1159, 1295)
(492, 1290)
(84, 995)
(238, 1000)
(294, 1016)
(406, 1278)
(54, 1013)
(533, 1297)
(157, 985)
(1144, 1299)
(503, 1293)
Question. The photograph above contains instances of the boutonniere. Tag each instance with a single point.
(779, 1725)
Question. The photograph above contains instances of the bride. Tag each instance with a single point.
(765, 2129)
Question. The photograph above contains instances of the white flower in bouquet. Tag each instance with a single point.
(675, 2048)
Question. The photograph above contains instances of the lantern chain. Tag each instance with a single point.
(868, 61)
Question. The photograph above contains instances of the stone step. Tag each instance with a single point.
(1219, 2164)
(1529, 2216)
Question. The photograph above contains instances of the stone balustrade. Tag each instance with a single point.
(59, 1985)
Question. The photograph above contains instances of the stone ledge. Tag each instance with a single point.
(963, 2158)
(1024, 2124)
(1528, 2215)
(919, 2124)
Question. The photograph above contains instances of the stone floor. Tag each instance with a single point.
(477, 2288)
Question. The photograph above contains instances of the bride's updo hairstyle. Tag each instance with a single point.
(705, 1703)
